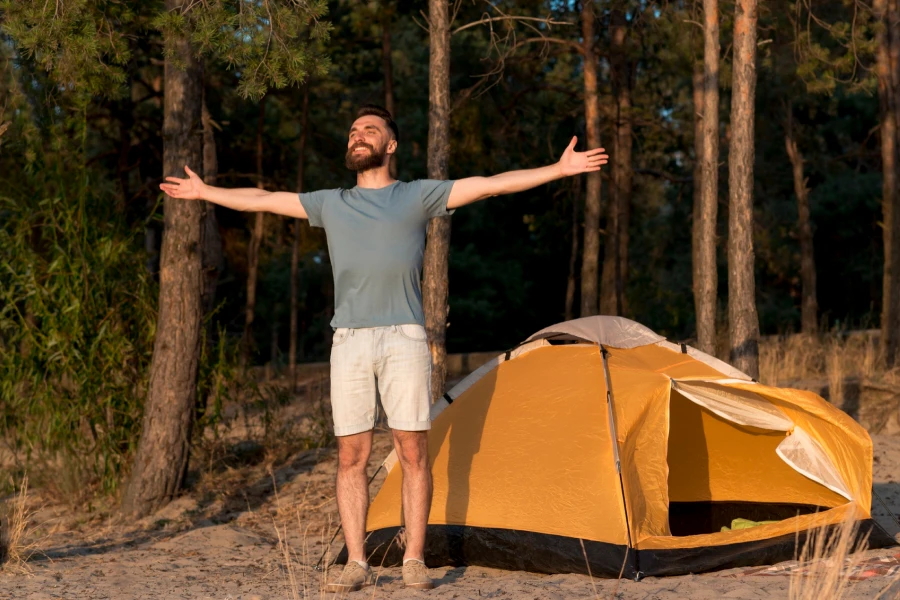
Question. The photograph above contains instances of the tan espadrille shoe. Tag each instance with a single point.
(352, 578)
(415, 575)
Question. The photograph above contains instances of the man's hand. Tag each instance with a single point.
(191, 188)
(574, 163)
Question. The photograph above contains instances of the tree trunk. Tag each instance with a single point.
(742, 316)
(591, 249)
(888, 70)
(706, 185)
(387, 66)
(573, 256)
(299, 224)
(162, 455)
(809, 318)
(435, 287)
(615, 260)
(213, 257)
(256, 235)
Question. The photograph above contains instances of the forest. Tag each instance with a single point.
(752, 190)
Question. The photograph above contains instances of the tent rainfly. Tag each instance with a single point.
(598, 444)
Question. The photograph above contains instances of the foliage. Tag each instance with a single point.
(76, 317)
(270, 43)
(81, 43)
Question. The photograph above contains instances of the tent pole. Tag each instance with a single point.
(615, 446)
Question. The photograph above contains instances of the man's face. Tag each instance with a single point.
(369, 142)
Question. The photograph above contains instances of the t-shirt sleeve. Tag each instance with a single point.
(434, 194)
(312, 203)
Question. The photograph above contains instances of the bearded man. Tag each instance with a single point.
(376, 240)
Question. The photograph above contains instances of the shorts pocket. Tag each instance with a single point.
(340, 336)
(412, 332)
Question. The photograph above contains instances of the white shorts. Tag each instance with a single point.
(397, 357)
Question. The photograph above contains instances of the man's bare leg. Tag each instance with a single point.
(353, 490)
(412, 449)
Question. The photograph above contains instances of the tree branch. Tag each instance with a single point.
(484, 20)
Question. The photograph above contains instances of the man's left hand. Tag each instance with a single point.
(573, 162)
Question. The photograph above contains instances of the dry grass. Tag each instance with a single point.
(834, 357)
(302, 580)
(15, 549)
(829, 557)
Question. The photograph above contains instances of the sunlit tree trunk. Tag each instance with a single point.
(256, 235)
(706, 183)
(163, 451)
(435, 287)
(888, 70)
(590, 260)
(742, 316)
(615, 260)
(387, 66)
(808, 304)
(299, 226)
(571, 283)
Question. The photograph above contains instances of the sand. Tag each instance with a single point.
(220, 542)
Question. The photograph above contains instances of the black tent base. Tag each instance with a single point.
(454, 545)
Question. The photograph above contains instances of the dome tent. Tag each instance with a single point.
(597, 443)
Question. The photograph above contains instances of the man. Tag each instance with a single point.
(376, 239)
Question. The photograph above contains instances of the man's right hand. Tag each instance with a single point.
(191, 188)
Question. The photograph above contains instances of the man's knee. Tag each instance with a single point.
(353, 452)
(412, 449)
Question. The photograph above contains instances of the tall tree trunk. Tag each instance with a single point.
(809, 308)
(256, 236)
(299, 224)
(162, 455)
(435, 288)
(888, 69)
(706, 103)
(615, 260)
(591, 249)
(212, 242)
(387, 66)
(573, 256)
(742, 316)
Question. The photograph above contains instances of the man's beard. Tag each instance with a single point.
(364, 162)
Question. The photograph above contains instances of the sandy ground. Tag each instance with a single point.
(224, 541)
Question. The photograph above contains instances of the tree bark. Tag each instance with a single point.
(742, 315)
(706, 182)
(809, 308)
(256, 235)
(615, 260)
(163, 451)
(888, 70)
(591, 248)
(213, 257)
(435, 287)
(387, 66)
(299, 224)
(573, 256)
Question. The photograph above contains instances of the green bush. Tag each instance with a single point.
(76, 325)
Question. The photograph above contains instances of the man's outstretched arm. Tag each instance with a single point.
(244, 199)
(472, 189)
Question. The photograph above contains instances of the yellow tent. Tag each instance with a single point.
(599, 442)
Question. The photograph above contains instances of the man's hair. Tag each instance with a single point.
(379, 111)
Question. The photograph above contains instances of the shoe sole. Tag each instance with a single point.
(420, 586)
(340, 588)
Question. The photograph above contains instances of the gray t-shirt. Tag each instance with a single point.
(376, 238)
